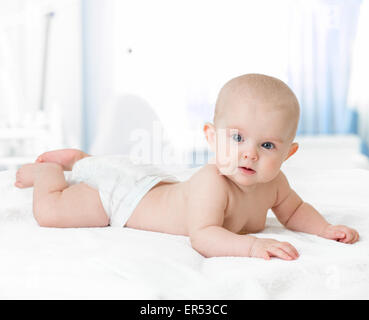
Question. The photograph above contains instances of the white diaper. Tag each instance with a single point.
(121, 183)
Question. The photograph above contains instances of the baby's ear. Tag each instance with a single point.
(293, 149)
(209, 131)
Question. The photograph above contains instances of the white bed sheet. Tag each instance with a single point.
(123, 263)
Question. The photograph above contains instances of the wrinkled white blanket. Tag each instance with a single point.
(123, 263)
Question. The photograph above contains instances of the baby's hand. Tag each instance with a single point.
(266, 248)
(340, 233)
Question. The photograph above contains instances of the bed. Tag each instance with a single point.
(123, 263)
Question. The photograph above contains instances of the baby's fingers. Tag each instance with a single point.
(356, 237)
(279, 253)
(351, 237)
(334, 234)
(290, 249)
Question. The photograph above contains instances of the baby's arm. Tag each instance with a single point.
(297, 215)
(207, 202)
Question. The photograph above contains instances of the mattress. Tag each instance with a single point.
(124, 263)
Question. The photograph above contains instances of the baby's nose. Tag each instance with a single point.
(250, 154)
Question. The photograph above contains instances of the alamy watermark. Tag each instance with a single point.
(154, 147)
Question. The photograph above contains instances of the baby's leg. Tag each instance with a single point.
(55, 204)
(65, 157)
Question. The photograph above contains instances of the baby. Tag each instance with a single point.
(219, 206)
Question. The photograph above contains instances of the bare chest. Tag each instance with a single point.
(247, 214)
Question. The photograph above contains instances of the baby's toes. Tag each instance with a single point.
(18, 180)
(42, 158)
(19, 184)
(25, 176)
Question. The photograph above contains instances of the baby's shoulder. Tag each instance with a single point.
(208, 176)
(207, 188)
(208, 172)
(282, 186)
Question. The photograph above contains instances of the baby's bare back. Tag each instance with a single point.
(165, 208)
(162, 209)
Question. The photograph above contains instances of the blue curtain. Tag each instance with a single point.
(321, 40)
(358, 92)
(97, 65)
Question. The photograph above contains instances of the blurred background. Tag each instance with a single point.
(141, 77)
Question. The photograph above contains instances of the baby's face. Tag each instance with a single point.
(252, 142)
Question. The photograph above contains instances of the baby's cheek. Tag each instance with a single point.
(227, 165)
(270, 169)
(227, 159)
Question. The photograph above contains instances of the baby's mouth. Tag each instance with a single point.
(247, 170)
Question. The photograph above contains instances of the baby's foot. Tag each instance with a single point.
(65, 157)
(25, 175)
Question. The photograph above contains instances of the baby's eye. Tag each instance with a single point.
(237, 137)
(268, 145)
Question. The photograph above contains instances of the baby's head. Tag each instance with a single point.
(255, 123)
